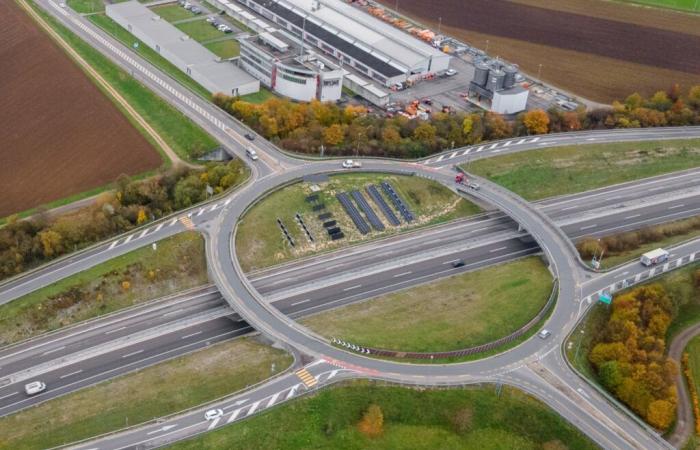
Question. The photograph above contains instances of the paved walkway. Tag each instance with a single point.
(685, 420)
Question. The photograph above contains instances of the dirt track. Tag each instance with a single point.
(60, 135)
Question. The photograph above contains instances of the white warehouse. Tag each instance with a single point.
(189, 56)
(352, 37)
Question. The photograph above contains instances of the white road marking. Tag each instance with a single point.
(252, 409)
(494, 250)
(172, 222)
(132, 353)
(507, 143)
(213, 423)
(352, 287)
(128, 238)
(70, 374)
(8, 395)
(201, 211)
(160, 225)
(533, 140)
(273, 399)
(143, 233)
(676, 206)
(227, 202)
(114, 244)
(588, 226)
(170, 313)
(402, 274)
(521, 141)
(190, 335)
(57, 349)
(632, 216)
(570, 207)
(234, 415)
(452, 155)
(240, 320)
(658, 188)
(493, 146)
(466, 152)
(214, 207)
(115, 330)
(480, 149)
(292, 391)
(300, 302)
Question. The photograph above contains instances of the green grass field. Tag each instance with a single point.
(147, 53)
(468, 419)
(693, 350)
(681, 5)
(225, 49)
(199, 30)
(538, 174)
(453, 313)
(172, 12)
(178, 263)
(181, 134)
(259, 241)
(260, 96)
(165, 388)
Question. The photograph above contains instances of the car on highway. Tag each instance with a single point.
(458, 263)
(34, 387)
(252, 154)
(350, 164)
(450, 72)
(474, 186)
(250, 136)
(213, 414)
(544, 334)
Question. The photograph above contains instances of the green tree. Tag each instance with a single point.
(51, 242)
(372, 423)
(425, 133)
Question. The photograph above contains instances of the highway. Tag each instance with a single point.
(536, 366)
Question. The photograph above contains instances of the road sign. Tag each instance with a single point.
(605, 298)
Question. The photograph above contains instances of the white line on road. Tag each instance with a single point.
(352, 287)
(132, 353)
(493, 146)
(632, 216)
(676, 206)
(70, 374)
(143, 233)
(494, 250)
(114, 244)
(158, 227)
(273, 399)
(57, 349)
(8, 395)
(213, 423)
(190, 335)
(588, 226)
(172, 222)
(128, 238)
(480, 148)
(115, 330)
(300, 302)
(170, 313)
(292, 391)
(233, 415)
(201, 211)
(252, 409)
(402, 274)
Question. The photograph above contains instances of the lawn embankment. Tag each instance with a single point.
(260, 242)
(186, 138)
(163, 389)
(623, 247)
(471, 418)
(173, 12)
(199, 30)
(538, 174)
(450, 314)
(147, 53)
(178, 263)
(679, 5)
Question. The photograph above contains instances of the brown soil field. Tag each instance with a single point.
(60, 135)
(587, 54)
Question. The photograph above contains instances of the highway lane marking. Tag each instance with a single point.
(622, 274)
(588, 227)
(227, 202)
(494, 250)
(70, 374)
(190, 335)
(234, 415)
(493, 146)
(200, 212)
(292, 391)
(569, 207)
(466, 152)
(676, 206)
(128, 238)
(114, 244)
(273, 399)
(302, 301)
(402, 274)
(632, 216)
(352, 287)
(214, 207)
(8, 395)
(57, 349)
(507, 143)
(480, 149)
(132, 353)
(450, 261)
(160, 225)
(252, 409)
(172, 222)
(658, 188)
(521, 141)
(547, 143)
(170, 313)
(115, 330)
(143, 233)
(213, 423)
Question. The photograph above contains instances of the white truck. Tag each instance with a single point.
(654, 257)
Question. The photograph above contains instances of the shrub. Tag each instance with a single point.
(372, 423)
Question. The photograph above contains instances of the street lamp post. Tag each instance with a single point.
(439, 24)
(539, 72)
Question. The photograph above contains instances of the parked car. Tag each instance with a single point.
(188, 6)
(544, 334)
(450, 72)
(211, 19)
(196, 10)
(228, 30)
(213, 414)
(34, 387)
(350, 164)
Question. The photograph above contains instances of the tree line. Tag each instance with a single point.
(629, 354)
(351, 130)
(28, 243)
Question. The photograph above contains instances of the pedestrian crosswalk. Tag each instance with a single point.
(308, 379)
(187, 222)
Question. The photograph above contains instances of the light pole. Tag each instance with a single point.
(539, 72)
(439, 24)
(487, 46)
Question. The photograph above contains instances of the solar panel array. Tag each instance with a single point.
(374, 194)
(398, 203)
(318, 207)
(369, 212)
(353, 212)
(325, 216)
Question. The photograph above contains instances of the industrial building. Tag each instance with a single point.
(290, 69)
(351, 37)
(195, 60)
(495, 82)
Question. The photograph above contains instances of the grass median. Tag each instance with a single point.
(260, 242)
(178, 263)
(470, 418)
(453, 313)
(538, 174)
(162, 389)
(180, 133)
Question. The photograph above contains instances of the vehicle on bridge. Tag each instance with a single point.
(252, 154)
(654, 257)
(462, 179)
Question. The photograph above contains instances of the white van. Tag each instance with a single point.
(34, 387)
(252, 154)
(654, 257)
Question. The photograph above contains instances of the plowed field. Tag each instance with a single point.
(59, 135)
(581, 51)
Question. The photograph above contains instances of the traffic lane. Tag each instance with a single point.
(109, 365)
(93, 334)
(306, 273)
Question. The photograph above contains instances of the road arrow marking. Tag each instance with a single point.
(240, 402)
